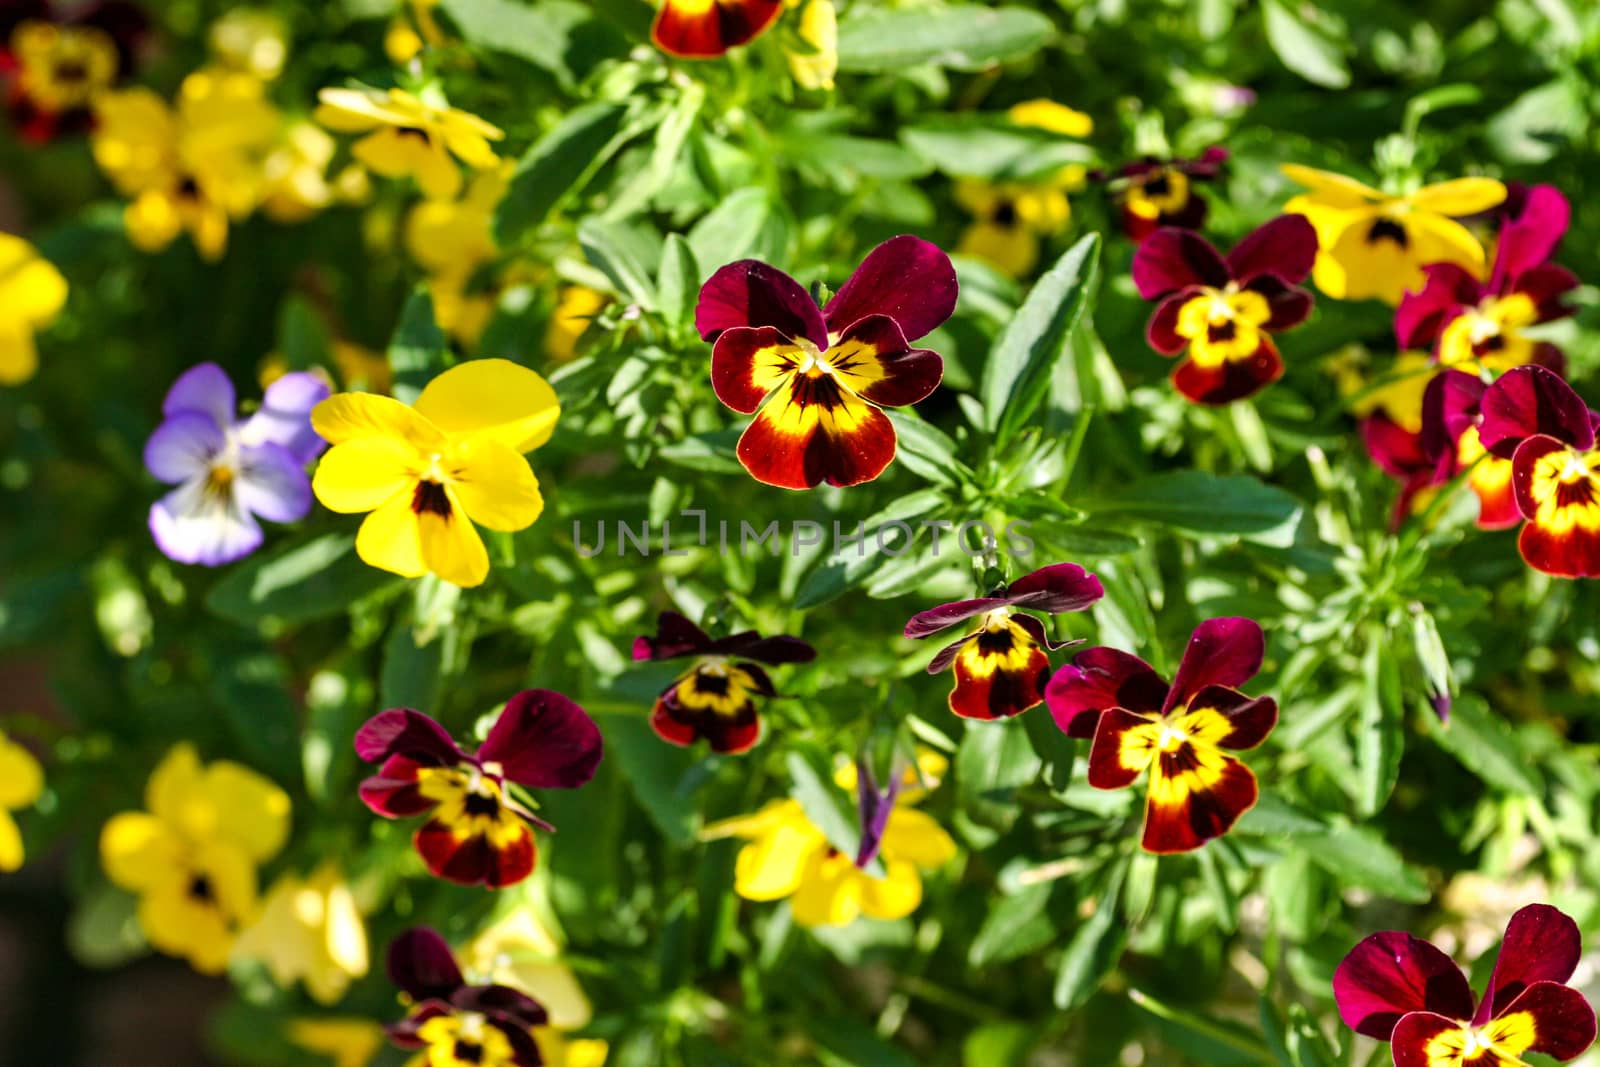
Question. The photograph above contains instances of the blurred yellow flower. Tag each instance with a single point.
(191, 856)
(32, 294)
(1373, 245)
(428, 472)
(406, 137)
(1012, 217)
(413, 28)
(789, 857)
(343, 1042)
(814, 66)
(456, 237)
(309, 929)
(1397, 393)
(21, 782)
(518, 951)
(251, 39)
(576, 307)
(192, 169)
(296, 173)
(43, 52)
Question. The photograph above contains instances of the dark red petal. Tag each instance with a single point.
(509, 1005)
(779, 649)
(801, 449)
(1541, 945)
(1191, 816)
(1527, 456)
(1162, 332)
(668, 726)
(405, 1032)
(1531, 238)
(694, 31)
(906, 278)
(1545, 285)
(1563, 1021)
(1097, 680)
(1106, 768)
(393, 792)
(732, 735)
(1289, 305)
(1532, 400)
(927, 623)
(1226, 651)
(948, 653)
(1570, 554)
(728, 734)
(675, 636)
(1234, 380)
(748, 363)
(1055, 589)
(1392, 974)
(404, 731)
(751, 293)
(756, 679)
(1252, 718)
(1000, 694)
(1414, 1032)
(877, 363)
(1284, 247)
(472, 860)
(545, 741)
(1208, 166)
(420, 962)
(1396, 450)
(1172, 259)
(1449, 409)
(1423, 314)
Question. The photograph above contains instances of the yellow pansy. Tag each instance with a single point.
(576, 307)
(428, 472)
(310, 930)
(32, 294)
(457, 236)
(1011, 217)
(788, 857)
(191, 856)
(251, 39)
(1396, 392)
(407, 137)
(814, 65)
(342, 1042)
(295, 173)
(21, 782)
(518, 951)
(1374, 245)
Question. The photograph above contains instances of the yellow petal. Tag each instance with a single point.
(1436, 239)
(770, 867)
(1463, 196)
(353, 110)
(19, 358)
(21, 777)
(152, 221)
(32, 290)
(494, 485)
(496, 397)
(137, 850)
(172, 782)
(1049, 115)
(451, 547)
(349, 416)
(390, 540)
(11, 855)
(829, 893)
(894, 896)
(818, 28)
(366, 473)
(758, 823)
(347, 1042)
(1012, 250)
(252, 813)
(1336, 190)
(394, 154)
(977, 197)
(916, 837)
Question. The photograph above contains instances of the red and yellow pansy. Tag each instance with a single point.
(1151, 192)
(1180, 733)
(1398, 988)
(817, 378)
(1222, 311)
(714, 699)
(477, 833)
(57, 58)
(452, 1023)
(1002, 666)
(705, 29)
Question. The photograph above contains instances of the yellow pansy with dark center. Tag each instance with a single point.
(1500, 1043)
(1160, 192)
(406, 136)
(1223, 325)
(63, 67)
(465, 1040)
(1491, 334)
(471, 804)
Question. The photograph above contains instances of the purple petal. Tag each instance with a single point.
(875, 807)
(927, 623)
(1225, 651)
(1284, 247)
(906, 278)
(1531, 238)
(1058, 588)
(205, 388)
(675, 636)
(1097, 680)
(1449, 408)
(544, 740)
(1392, 974)
(183, 446)
(285, 417)
(1528, 401)
(420, 962)
(406, 732)
(272, 483)
(1172, 259)
(750, 293)
(191, 525)
(1541, 945)
(948, 654)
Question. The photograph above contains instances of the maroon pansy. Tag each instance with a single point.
(453, 1023)
(1398, 988)
(1221, 311)
(714, 699)
(1451, 414)
(1152, 192)
(818, 378)
(1001, 666)
(478, 833)
(56, 58)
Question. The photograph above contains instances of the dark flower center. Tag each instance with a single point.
(71, 70)
(430, 499)
(482, 804)
(188, 189)
(996, 642)
(200, 889)
(467, 1052)
(413, 131)
(1160, 185)
(1223, 331)
(1005, 213)
(1388, 230)
(712, 684)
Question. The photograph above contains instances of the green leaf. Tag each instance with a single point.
(540, 34)
(626, 255)
(657, 774)
(677, 282)
(1358, 856)
(1094, 950)
(310, 580)
(1273, 815)
(927, 450)
(1017, 373)
(998, 1045)
(553, 166)
(411, 671)
(418, 350)
(745, 225)
(302, 335)
(1014, 927)
(1540, 122)
(712, 452)
(1488, 747)
(963, 36)
(1304, 44)
(994, 760)
(1380, 725)
(849, 566)
(992, 148)
(1198, 502)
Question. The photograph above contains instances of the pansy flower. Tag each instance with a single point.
(706, 29)
(1221, 312)
(1452, 410)
(428, 471)
(477, 832)
(787, 857)
(455, 1024)
(309, 929)
(1374, 245)
(1001, 666)
(407, 137)
(1180, 733)
(21, 784)
(1477, 325)
(1151, 192)
(230, 471)
(817, 377)
(55, 58)
(1398, 988)
(32, 294)
(714, 698)
(1533, 417)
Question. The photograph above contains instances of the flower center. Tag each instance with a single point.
(814, 363)
(1171, 738)
(63, 67)
(1223, 325)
